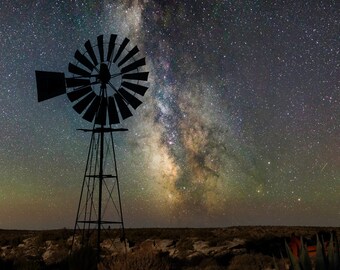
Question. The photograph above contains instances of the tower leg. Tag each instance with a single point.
(99, 214)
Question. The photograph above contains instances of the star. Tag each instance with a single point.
(240, 118)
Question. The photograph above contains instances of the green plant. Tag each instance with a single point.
(304, 258)
(322, 262)
(293, 260)
(333, 253)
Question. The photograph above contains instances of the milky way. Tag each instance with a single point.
(240, 125)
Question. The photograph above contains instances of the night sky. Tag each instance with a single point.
(240, 125)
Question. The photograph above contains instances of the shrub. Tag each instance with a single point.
(27, 265)
(142, 260)
(250, 262)
(84, 258)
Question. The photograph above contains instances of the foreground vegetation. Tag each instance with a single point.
(262, 248)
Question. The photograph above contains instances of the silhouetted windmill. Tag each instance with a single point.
(106, 83)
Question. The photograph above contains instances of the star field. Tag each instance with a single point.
(240, 125)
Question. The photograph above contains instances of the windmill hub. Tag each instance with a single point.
(104, 74)
(108, 65)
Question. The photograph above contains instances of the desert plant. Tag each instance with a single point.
(250, 261)
(279, 265)
(143, 260)
(293, 260)
(27, 265)
(6, 264)
(322, 262)
(333, 253)
(84, 258)
(305, 261)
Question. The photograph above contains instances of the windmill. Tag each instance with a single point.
(106, 83)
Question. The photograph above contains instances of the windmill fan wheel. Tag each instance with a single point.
(107, 81)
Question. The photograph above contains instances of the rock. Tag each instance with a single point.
(76, 242)
(201, 247)
(28, 249)
(5, 251)
(237, 242)
(6, 247)
(148, 244)
(54, 253)
(166, 245)
(115, 246)
(239, 251)
(163, 244)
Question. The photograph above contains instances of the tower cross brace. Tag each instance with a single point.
(100, 205)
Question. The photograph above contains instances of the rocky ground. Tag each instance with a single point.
(218, 248)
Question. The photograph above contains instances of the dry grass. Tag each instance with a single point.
(142, 260)
(251, 262)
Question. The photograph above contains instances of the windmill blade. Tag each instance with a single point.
(137, 88)
(91, 83)
(92, 109)
(111, 47)
(73, 82)
(121, 48)
(123, 108)
(77, 70)
(49, 84)
(113, 113)
(141, 76)
(90, 51)
(134, 65)
(131, 99)
(129, 55)
(101, 115)
(81, 105)
(77, 94)
(100, 41)
(83, 60)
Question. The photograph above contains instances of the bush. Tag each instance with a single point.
(84, 258)
(27, 265)
(142, 260)
(250, 262)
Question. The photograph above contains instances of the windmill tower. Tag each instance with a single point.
(106, 83)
